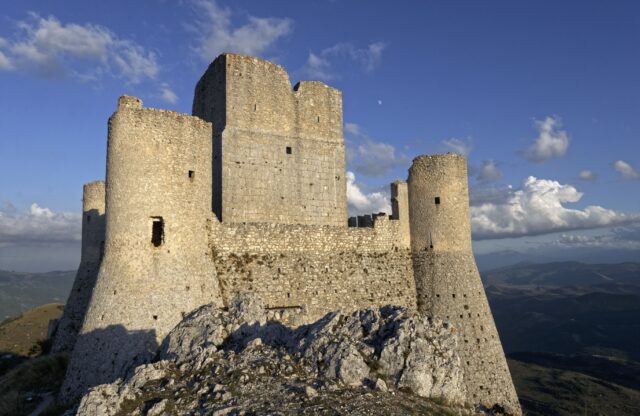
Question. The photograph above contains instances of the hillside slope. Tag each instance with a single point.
(22, 291)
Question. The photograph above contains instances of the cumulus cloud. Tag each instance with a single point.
(38, 225)
(51, 48)
(488, 171)
(219, 35)
(587, 175)
(460, 146)
(370, 157)
(321, 65)
(626, 170)
(552, 142)
(167, 95)
(538, 208)
(365, 203)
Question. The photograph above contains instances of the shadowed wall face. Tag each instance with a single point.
(279, 151)
(93, 238)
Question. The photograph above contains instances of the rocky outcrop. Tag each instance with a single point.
(387, 360)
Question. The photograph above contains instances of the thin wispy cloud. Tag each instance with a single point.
(360, 202)
(50, 48)
(167, 95)
(538, 207)
(552, 141)
(587, 175)
(218, 34)
(620, 238)
(460, 146)
(322, 65)
(488, 171)
(370, 157)
(626, 170)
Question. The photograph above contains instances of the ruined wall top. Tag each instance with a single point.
(249, 93)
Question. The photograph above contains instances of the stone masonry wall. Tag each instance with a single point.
(158, 170)
(278, 151)
(93, 237)
(448, 284)
(302, 272)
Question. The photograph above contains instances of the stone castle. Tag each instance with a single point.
(248, 194)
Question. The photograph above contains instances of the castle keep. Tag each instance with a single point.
(249, 195)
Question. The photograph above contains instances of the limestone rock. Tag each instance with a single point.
(218, 361)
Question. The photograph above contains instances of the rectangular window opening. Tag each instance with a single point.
(192, 175)
(288, 150)
(437, 200)
(157, 231)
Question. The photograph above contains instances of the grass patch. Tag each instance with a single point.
(27, 380)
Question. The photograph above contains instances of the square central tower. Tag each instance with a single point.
(278, 151)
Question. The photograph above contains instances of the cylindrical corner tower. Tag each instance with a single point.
(447, 279)
(93, 224)
(156, 266)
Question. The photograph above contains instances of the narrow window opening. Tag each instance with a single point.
(255, 107)
(157, 232)
(318, 119)
(155, 317)
(288, 150)
(192, 175)
(437, 200)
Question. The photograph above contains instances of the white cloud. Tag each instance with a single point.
(370, 157)
(538, 208)
(321, 65)
(460, 146)
(622, 238)
(38, 225)
(167, 95)
(626, 170)
(50, 48)
(552, 142)
(5, 63)
(353, 128)
(587, 175)
(219, 35)
(317, 67)
(365, 203)
(488, 171)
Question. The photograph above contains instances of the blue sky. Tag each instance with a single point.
(542, 96)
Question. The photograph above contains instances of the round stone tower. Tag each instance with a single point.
(91, 255)
(447, 280)
(156, 266)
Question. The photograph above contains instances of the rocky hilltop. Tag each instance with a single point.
(375, 361)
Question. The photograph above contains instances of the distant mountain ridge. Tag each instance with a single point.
(565, 274)
(21, 291)
(567, 308)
